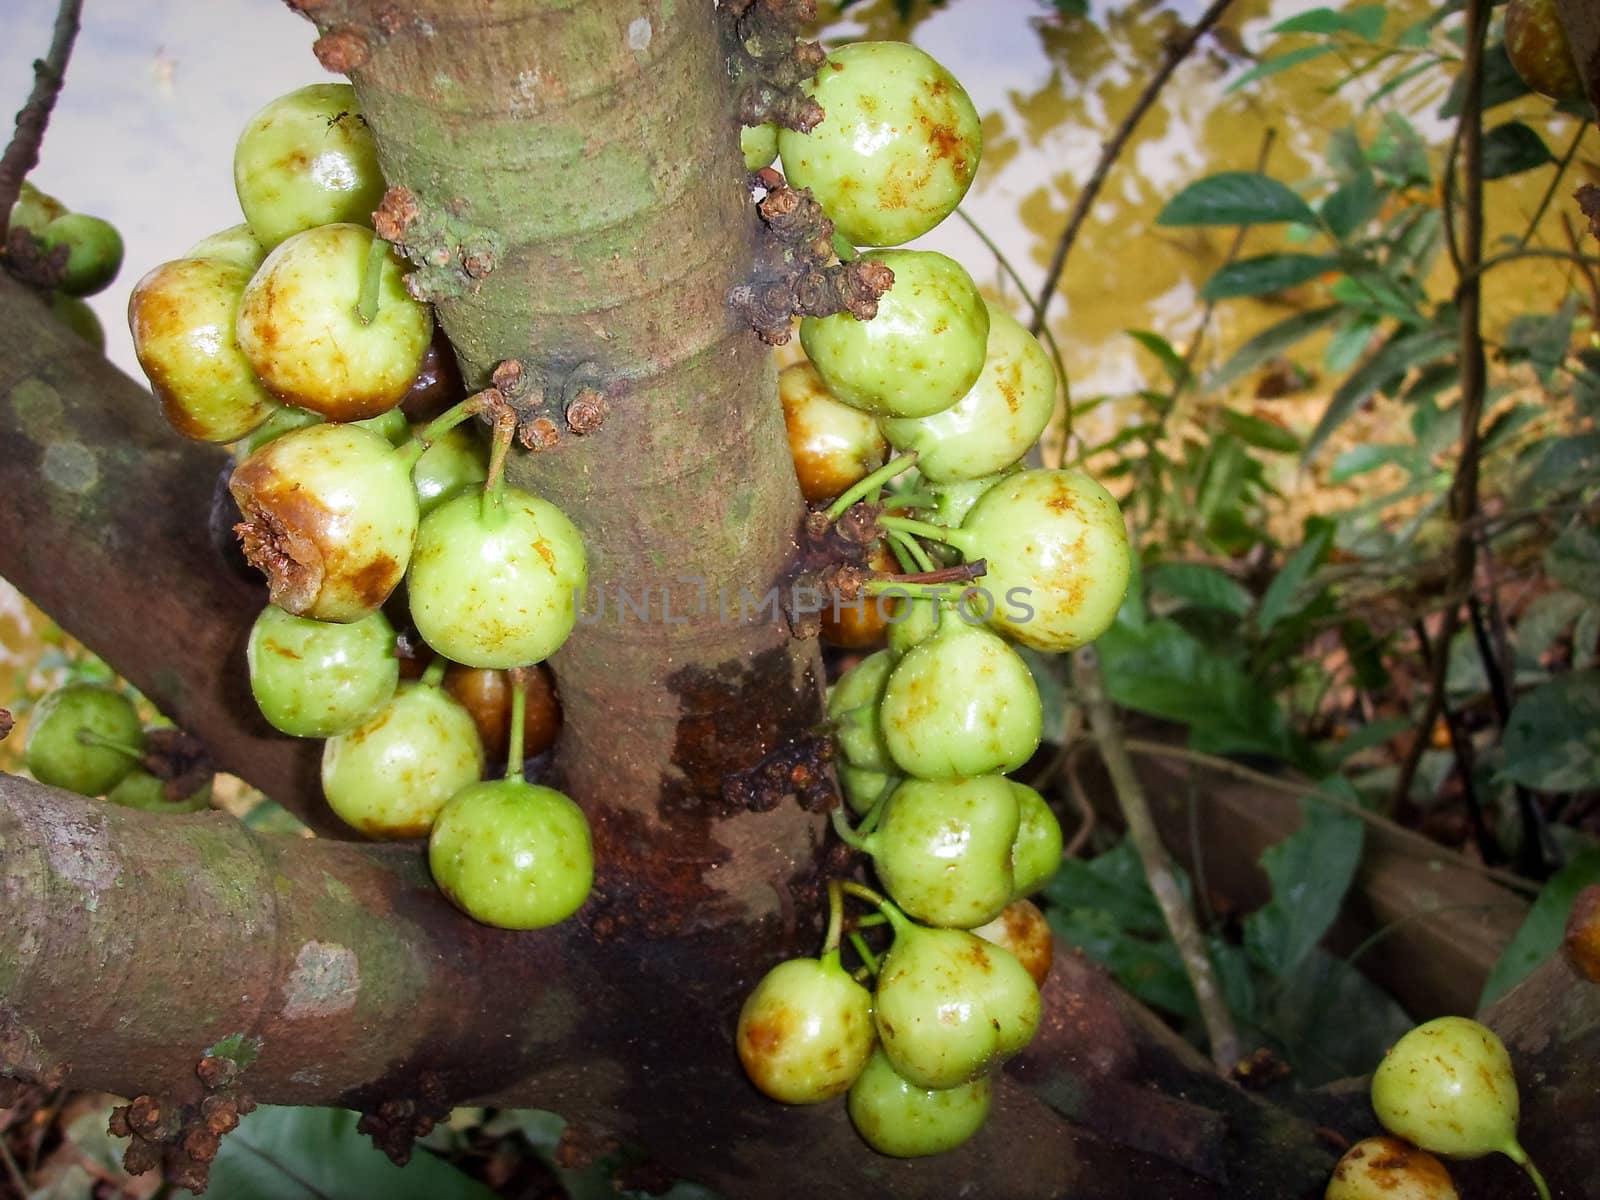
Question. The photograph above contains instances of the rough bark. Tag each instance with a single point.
(135, 943)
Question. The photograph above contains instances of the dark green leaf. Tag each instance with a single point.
(1279, 62)
(1541, 339)
(1171, 361)
(1399, 79)
(1512, 148)
(1350, 341)
(1310, 870)
(1543, 621)
(1353, 204)
(1285, 587)
(1331, 1021)
(1373, 291)
(1200, 586)
(316, 1153)
(1236, 198)
(1047, 671)
(1265, 273)
(1564, 461)
(1381, 371)
(1501, 83)
(1573, 561)
(1271, 342)
(1542, 929)
(1552, 741)
(1368, 736)
(1222, 487)
(1365, 20)
(1255, 431)
(1400, 153)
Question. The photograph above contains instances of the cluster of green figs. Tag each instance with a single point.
(925, 412)
(292, 336)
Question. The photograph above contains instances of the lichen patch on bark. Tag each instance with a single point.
(325, 982)
(79, 853)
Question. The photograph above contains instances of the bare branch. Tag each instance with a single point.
(22, 155)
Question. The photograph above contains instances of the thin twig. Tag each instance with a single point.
(1289, 787)
(22, 155)
(1175, 910)
(1044, 334)
(1080, 801)
(1489, 848)
(1464, 486)
(1562, 164)
(1176, 53)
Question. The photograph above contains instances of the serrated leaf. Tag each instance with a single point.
(1235, 198)
(1271, 342)
(1265, 273)
(1512, 148)
(1381, 371)
(1201, 586)
(1552, 739)
(1310, 870)
(1278, 63)
(1171, 361)
(1539, 936)
(1263, 434)
(315, 1153)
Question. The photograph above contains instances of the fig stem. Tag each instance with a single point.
(1518, 1155)
(926, 529)
(89, 737)
(435, 429)
(866, 486)
(874, 814)
(918, 555)
(859, 944)
(901, 555)
(910, 499)
(518, 677)
(892, 914)
(505, 428)
(848, 836)
(830, 944)
(434, 675)
(372, 281)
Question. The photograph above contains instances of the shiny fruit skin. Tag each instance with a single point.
(144, 791)
(912, 620)
(853, 706)
(299, 328)
(330, 515)
(943, 849)
(437, 384)
(320, 678)
(759, 145)
(1036, 853)
(862, 786)
(56, 757)
(1386, 1168)
(960, 703)
(235, 244)
(949, 1006)
(486, 694)
(94, 252)
(805, 1032)
(497, 585)
(182, 318)
(306, 159)
(898, 1118)
(1022, 929)
(833, 445)
(920, 354)
(284, 419)
(512, 854)
(954, 500)
(993, 425)
(1447, 1086)
(1055, 541)
(454, 463)
(390, 776)
(1537, 45)
(897, 148)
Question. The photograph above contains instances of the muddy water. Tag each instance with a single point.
(157, 92)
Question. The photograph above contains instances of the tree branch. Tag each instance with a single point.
(135, 942)
(22, 154)
(1157, 864)
(1176, 53)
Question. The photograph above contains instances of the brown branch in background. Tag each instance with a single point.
(1175, 910)
(1176, 53)
(22, 155)
(1464, 509)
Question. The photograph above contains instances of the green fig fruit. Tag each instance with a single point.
(805, 1032)
(943, 849)
(898, 1118)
